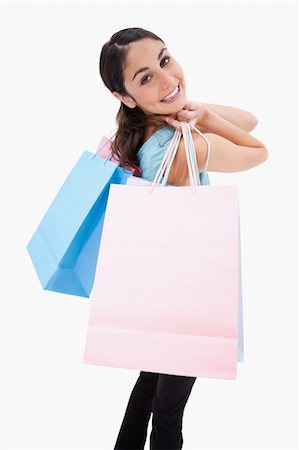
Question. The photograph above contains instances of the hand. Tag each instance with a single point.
(193, 113)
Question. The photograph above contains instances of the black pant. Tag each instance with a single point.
(164, 395)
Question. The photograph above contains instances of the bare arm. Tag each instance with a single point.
(232, 149)
(218, 125)
(239, 117)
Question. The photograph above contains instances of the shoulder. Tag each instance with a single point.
(152, 151)
(160, 137)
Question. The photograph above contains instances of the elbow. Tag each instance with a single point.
(265, 154)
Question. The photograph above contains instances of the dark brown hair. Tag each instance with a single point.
(131, 121)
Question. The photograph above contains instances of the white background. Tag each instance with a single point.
(55, 106)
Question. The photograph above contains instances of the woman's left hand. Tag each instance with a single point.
(193, 112)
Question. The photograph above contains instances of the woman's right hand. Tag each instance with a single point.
(193, 112)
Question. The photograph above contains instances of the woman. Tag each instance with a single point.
(140, 71)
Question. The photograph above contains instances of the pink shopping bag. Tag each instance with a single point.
(105, 151)
(165, 295)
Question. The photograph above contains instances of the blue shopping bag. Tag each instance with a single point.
(64, 248)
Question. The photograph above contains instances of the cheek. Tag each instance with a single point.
(150, 96)
(180, 72)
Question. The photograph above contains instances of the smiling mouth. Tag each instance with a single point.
(172, 96)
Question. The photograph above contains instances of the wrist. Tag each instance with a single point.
(204, 118)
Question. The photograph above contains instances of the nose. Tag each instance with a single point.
(166, 80)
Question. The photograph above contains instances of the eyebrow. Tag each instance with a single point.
(143, 69)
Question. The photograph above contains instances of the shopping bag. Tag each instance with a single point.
(181, 317)
(105, 151)
(133, 180)
(64, 247)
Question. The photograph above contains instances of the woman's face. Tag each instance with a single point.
(150, 75)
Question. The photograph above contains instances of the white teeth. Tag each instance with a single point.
(172, 94)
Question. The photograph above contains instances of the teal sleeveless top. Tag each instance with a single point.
(152, 151)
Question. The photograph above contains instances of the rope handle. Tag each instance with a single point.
(109, 156)
(190, 155)
(208, 148)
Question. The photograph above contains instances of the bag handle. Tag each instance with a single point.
(103, 145)
(190, 154)
(208, 148)
(168, 159)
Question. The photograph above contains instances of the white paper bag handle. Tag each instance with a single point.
(208, 148)
(167, 159)
(190, 154)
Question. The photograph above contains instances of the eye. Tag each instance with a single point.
(143, 81)
(166, 57)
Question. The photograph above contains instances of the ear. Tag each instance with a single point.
(128, 101)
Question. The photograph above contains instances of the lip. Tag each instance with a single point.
(175, 97)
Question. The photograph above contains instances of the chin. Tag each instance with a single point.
(176, 108)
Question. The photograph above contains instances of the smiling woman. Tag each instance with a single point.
(140, 71)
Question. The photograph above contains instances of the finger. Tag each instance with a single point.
(191, 105)
(174, 123)
(186, 115)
